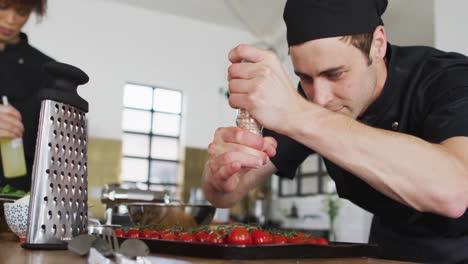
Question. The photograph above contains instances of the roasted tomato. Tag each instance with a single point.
(260, 237)
(239, 236)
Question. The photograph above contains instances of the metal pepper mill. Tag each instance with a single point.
(58, 209)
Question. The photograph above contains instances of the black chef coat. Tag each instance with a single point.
(21, 77)
(425, 95)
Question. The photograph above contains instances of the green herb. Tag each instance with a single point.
(8, 189)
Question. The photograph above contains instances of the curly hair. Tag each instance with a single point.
(37, 6)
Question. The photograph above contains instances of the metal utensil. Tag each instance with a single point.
(168, 215)
(81, 244)
(59, 195)
(110, 238)
(133, 248)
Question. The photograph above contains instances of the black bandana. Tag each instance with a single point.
(314, 19)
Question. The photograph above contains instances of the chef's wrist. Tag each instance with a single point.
(303, 123)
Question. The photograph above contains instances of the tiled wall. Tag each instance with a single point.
(195, 159)
(104, 165)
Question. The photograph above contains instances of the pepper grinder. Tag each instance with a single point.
(245, 121)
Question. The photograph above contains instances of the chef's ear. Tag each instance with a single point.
(379, 44)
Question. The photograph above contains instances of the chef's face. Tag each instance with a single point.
(338, 76)
(12, 20)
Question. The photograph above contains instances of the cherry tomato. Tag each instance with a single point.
(279, 239)
(133, 233)
(155, 235)
(239, 236)
(201, 236)
(186, 237)
(215, 238)
(311, 240)
(321, 241)
(119, 232)
(169, 236)
(260, 237)
(296, 240)
(146, 233)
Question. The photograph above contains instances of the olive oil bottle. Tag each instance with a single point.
(14, 164)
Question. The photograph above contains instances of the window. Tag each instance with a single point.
(151, 125)
(311, 178)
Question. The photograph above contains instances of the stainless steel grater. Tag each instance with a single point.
(58, 209)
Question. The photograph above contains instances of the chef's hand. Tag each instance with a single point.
(259, 84)
(11, 125)
(233, 153)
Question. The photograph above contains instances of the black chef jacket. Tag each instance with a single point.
(425, 95)
(21, 77)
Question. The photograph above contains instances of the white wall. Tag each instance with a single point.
(410, 22)
(450, 26)
(116, 43)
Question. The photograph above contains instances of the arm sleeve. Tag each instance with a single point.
(447, 114)
(290, 153)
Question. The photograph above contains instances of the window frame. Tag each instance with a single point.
(151, 135)
(321, 173)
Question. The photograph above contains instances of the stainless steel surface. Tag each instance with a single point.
(81, 244)
(114, 195)
(59, 195)
(168, 215)
(108, 235)
(108, 245)
(101, 229)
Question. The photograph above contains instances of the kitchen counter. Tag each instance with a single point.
(12, 253)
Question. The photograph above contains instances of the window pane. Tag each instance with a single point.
(136, 120)
(163, 172)
(167, 101)
(165, 148)
(310, 185)
(310, 165)
(138, 96)
(135, 145)
(166, 124)
(328, 185)
(134, 169)
(172, 190)
(289, 187)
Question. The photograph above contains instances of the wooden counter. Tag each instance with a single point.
(12, 253)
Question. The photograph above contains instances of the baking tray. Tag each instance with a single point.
(278, 251)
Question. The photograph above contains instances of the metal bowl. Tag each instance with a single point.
(169, 215)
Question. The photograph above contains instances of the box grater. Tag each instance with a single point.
(58, 209)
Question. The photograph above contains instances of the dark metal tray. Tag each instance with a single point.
(285, 251)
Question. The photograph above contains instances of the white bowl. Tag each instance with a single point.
(16, 216)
